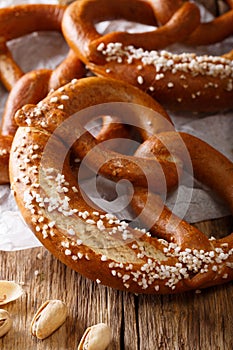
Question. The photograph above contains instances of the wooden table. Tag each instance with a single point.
(190, 321)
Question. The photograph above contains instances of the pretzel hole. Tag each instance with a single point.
(110, 196)
(207, 11)
(113, 196)
(226, 227)
(211, 6)
(105, 27)
(117, 134)
(222, 7)
(49, 48)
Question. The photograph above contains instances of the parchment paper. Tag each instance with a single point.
(47, 50)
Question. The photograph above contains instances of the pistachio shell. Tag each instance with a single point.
(50, 316)
(97, 337)
(5, 322)
(9, 291)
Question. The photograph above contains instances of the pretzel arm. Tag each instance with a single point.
(10, 72)
(31, 88)
(165, 9)
(70, 68)
(215, 31)
(164, 224)
(209, 166)
(206, 33)
(19, 20)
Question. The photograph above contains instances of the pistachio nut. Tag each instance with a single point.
(5, 322)
(9, 291)
(96, 337)
(49, 317)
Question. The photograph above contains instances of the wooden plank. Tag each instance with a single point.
(185, 321)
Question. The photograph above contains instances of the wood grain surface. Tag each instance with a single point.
(189, 321)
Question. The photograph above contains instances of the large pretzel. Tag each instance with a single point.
(31, 87)
(179, 82)
(96, 243)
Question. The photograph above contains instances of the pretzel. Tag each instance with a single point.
(179, 82)
(16, 21)
(83, 236)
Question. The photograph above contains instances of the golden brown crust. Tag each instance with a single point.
(90, 241)
(179, 82)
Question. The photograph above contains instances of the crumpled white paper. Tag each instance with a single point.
(215, 129)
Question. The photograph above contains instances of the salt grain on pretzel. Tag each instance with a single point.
(179, 82)
(95, 243)
(17, 21)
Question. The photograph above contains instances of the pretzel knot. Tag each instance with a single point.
(17, 21)
(178, 81)
(167, 255)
